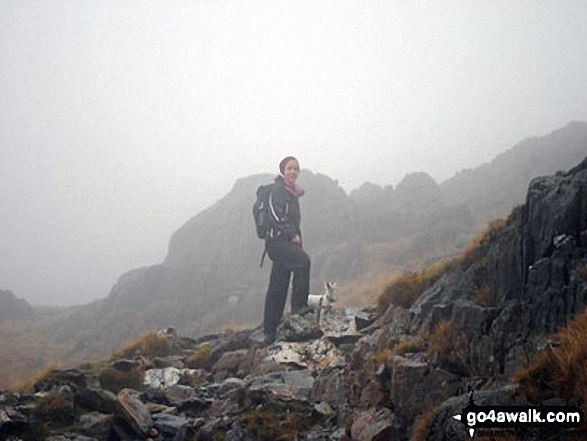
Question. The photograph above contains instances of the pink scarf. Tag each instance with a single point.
(292, 188)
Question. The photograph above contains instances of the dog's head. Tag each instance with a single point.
(331, 288)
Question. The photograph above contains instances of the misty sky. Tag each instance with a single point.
(121, 120)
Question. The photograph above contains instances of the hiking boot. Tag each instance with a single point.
(304, 311)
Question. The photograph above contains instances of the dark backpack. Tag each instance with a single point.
(261, 211)
(261, 214)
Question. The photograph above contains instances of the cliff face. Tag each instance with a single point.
(528, 273)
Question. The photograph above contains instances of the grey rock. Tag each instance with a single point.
(61, 377)
(168, 424)
(71, 437)
(169, 376)
(228, 364)
(444, 426)
(11, 420)
(124, 365)
(411, 379)
(330, 386)
(176, 361)
(296, 328)
(296, 384)
(185, 398)
(134, 411)
(373, 425)
(96, 424)
(98, 400)
(231, 384)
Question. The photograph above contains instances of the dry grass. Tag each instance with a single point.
(490, 232)
(200, 359)
(422, 425)
(149, 345)
(559, 372)
(114, 380)
(441, 340)
(53, 407)
(382, 356)
(415, 345)
(407, 287)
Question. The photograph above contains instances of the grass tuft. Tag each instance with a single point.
(114, 380)
(200, 359)
(150, 345)
(53, 407)
(559, 372)
(440, 340)
(422, 425)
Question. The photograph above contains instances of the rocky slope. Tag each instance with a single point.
(357, 376)
(210, 278)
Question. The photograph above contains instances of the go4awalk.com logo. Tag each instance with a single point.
(519, 417)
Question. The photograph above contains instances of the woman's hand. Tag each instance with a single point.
(297, 239)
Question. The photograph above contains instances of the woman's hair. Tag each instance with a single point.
(284, 162)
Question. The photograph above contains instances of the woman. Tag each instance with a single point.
(284, 248)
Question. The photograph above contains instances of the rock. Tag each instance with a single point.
(96, 424)
(443, 426)
(12, 421)
(185, 398)
(124, 365)
(231, 384)
(228, 364)
(61, 377)
(373, 425)
(134, 411)
(175, 361)
(168, 424)
(291, 354)
(330, 386)
(296, 328)
(324, 408)
(415, 385)
(336, 323)
(70, 437)
(157, 378)
(97, 400)
(296, 384)
(313, 355)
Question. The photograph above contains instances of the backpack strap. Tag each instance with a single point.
(264, 254)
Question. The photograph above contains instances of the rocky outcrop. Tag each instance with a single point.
(14, 308)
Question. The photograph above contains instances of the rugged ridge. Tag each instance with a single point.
(356, 375)
(210, 278)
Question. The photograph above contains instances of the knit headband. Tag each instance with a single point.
(284, 162)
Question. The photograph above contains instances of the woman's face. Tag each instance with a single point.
(291, 172)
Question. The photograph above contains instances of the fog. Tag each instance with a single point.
(121, 120)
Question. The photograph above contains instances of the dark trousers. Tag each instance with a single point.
(287, 257)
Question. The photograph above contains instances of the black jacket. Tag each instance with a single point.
(284, 209)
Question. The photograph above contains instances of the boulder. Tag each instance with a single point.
(97, 400)
(299, 328)
(96, 424)
(373, 425)
(134, 411)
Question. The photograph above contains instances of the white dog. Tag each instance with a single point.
(324, 301)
